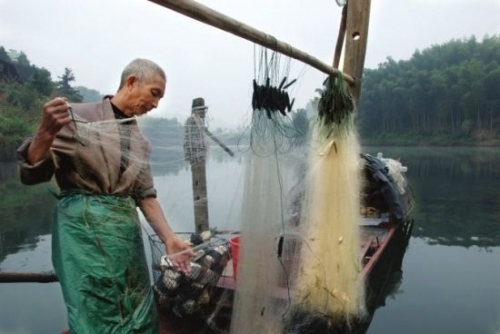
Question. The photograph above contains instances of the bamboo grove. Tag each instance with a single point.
(447, 94)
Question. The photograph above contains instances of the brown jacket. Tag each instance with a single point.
(89, 159)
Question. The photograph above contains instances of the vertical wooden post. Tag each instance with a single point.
(358, 17)
(195, 151)
(198, 172)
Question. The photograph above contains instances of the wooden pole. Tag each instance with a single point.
(221, 144)
(216, 19)
(200, 202)
(358, 17)
(12, 277)
(196, 150)
(340, 38)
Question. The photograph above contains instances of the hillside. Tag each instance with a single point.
(445, 95)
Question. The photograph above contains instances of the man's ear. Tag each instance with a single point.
(131, 81)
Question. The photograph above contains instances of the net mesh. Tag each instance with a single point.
(189, 295)
(299, 267)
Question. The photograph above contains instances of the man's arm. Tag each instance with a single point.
(55, 116)
(179, 251)
(35, 165)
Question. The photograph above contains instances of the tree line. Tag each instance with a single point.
(445, 94)
(24, 87)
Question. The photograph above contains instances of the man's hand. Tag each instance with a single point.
(178, 250)
(180, 254)
(55, 116)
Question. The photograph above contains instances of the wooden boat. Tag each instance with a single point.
(379, 242)
(382, 241)
(386, 225)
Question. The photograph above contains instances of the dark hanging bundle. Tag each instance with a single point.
(272, 99)
(336, 102)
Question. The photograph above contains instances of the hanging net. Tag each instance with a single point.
(272, 119)
(297, 266)
(329, 292)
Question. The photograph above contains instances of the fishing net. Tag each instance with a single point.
(272, 119)
(189, 295)
(328, 295)
(123, 155)
(267, 216)
(299, 268)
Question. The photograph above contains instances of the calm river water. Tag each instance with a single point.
(451, 269)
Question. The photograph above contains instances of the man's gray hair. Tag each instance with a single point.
(143, 69)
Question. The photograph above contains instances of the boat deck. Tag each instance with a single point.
(372, 237)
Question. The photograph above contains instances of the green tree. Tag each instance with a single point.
(444, 91)
(64, 87)
(41, 82)
(21, 95)
(24, 67)
(4, 55)
(300, 123)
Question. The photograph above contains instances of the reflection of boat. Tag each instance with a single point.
(386, 240)
(386, 226)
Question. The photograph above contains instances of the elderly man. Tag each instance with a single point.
(100, 161)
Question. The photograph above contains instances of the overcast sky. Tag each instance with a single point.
(97, 38)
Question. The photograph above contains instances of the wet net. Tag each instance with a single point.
(299, 268)
(189, 295)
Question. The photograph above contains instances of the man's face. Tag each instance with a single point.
(145, 96)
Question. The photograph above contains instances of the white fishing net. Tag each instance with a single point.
(299, 268)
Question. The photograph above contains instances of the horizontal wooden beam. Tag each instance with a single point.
(221, 144)
(216, 19)
(24, 277)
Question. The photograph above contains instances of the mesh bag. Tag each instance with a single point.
(189, 294)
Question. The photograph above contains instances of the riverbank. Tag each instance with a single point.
(480, 138)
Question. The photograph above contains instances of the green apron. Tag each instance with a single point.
(98, 256)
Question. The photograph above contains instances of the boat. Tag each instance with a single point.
(385, 220)
(386, 225)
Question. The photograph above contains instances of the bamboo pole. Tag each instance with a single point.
(22, 277)
(216, 19)
(221, 144)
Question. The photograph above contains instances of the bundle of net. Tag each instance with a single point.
(273, 128)
(328, 289)
(156, 142)
(274, 169)
(193, 296)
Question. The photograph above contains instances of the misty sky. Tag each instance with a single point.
(97, 38)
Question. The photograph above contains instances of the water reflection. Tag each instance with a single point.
(456, 190)
(25, 213)
(457, 206)
(167, 160)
